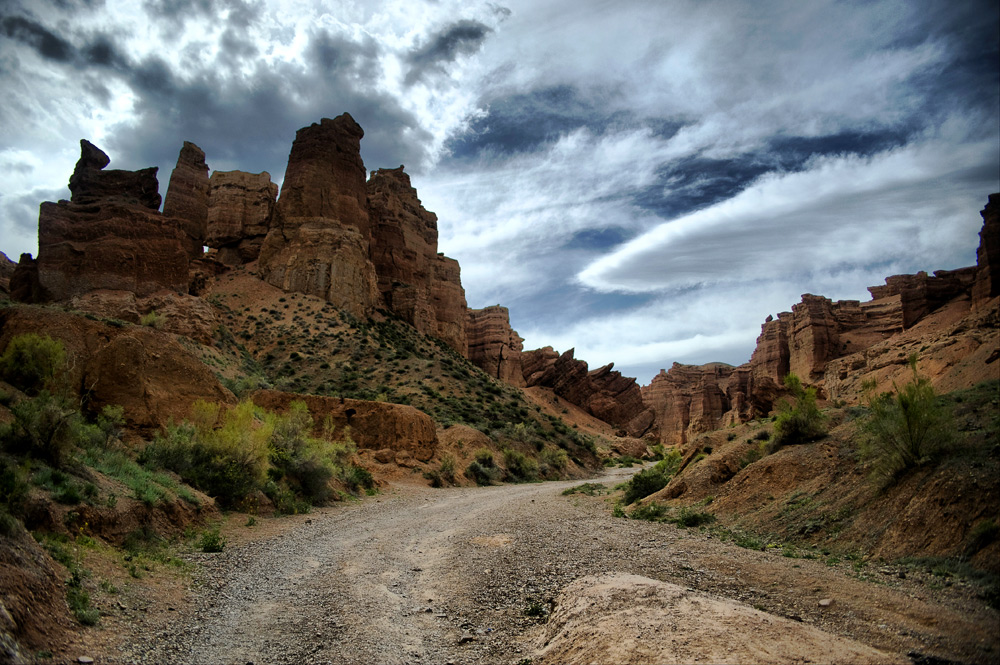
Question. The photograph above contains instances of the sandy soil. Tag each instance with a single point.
(471, 575)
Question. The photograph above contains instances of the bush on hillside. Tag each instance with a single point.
(799, 421)
(652, 479)
(904, 428)
(32, 362)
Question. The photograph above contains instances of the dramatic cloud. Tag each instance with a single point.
(645, 181)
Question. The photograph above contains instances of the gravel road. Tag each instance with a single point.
(421, 575)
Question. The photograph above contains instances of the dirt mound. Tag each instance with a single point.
(32, 605)
(619, 618)
(818, 493)
(146, 371)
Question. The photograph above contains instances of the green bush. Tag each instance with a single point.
(45, 426)
(652, 479)
(32, 362)
(651, 512)
(153, 320)
(482, 474)
(688, 517)
(905, 428)
(211, 541)
(520, 467)
(800, 422)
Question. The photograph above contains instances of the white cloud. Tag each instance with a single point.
(915, 202)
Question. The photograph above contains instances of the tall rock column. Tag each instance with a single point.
(240, 207)
(320, 236)
(187, 197)
(987, 284)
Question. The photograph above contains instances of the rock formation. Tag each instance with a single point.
(416, 283)
(240, 206)
(187, 197)
(692, 399)
(110, 236)
(7, 268)
(494, 346)
(603, 393)
(987, 281)
(319, 240)
(373, 425)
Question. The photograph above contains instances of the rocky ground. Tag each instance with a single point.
(470, 575)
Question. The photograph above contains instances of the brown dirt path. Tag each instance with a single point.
(418, 575)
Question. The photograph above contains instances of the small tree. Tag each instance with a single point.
(904, 428)
(801, 421)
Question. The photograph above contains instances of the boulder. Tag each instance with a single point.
(373, 426)
(494, 346)
(146, 371)
(187, 197)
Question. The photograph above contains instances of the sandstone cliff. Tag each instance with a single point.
(494, 346)
(987, 284)
(319, 239)
(415, 282)
(110, 236)
(603, 393)
(240, 207)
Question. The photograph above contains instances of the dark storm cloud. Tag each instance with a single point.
(48, 44)
(457, 39)
(249, 122)
(524, 122)
(685, 185)
(22, 209)
(596, 239)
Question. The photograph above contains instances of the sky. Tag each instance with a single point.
(642, 181)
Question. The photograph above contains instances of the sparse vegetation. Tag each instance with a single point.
(152, 320)
(32, 362)
(905, 428)
(652, 479)
(590, 489)
(799, 421)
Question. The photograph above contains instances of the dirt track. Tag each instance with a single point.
(420, 575)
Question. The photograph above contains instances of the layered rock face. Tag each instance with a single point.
(319, 240)
(187, 197)
(420, 286)
(240, 207)
(603, 393)
(691, 399)
(7, 268)
(494, 346)
(373, 425)
(110, 236)
(987, 280)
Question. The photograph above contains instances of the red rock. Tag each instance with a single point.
(691, 399)
(90, 183)
(240, 208)
(418, 285)
(187, 197)
(146, 371)
(24, 285)
(603, 393)
(373, 425)
(987, 281)
(494, 346)
(319, 240)
(7, 268)
(108, 246)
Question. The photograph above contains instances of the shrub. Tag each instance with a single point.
(211, 541)
(691, 518)
(652, 479)
(520, 467)
(153, 320)
(651, 512)
(903, 429)
(800, 422)
(45, 426)
(31, 362)
(590, 489)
